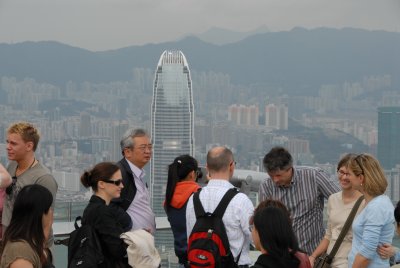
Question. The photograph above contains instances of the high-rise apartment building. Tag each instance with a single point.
(243, 115)
(172, 128)
(276, 116)
(389, 136)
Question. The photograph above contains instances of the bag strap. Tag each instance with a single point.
(346, 227)
(220, 210)
(198, 207)
(223, 204)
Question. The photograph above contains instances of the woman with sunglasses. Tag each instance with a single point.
(339, 207)
(181, 184)
(106, 182)
(374, 225)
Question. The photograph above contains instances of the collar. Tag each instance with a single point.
(139, 173)
(220, 183)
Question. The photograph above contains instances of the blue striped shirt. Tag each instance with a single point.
(304, 198)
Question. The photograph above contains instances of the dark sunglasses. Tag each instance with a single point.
(117, 182)
(10, 188)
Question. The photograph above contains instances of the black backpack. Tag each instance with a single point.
(208, 244)
(84, 248)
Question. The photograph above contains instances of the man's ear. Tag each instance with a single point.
(29, 146)
(208, 175)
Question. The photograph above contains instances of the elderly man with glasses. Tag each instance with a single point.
(303, 190)
(136, 149)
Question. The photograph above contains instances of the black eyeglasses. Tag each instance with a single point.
(10, 188)
(117, 182)
(342, 173)
(359, 163)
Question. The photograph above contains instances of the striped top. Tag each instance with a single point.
(304, 198)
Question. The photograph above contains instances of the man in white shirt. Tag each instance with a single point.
(220, 167)
(135, 197)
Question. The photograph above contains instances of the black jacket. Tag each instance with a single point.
(129, 191)
(103, 220)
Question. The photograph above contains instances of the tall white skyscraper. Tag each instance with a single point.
(172, 128)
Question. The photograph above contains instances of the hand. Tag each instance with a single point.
(148, 230)
(386, 251)
(311, 258)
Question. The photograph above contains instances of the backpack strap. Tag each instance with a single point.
(223, 204)
(198, 207)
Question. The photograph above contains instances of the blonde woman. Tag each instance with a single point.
(374, 226)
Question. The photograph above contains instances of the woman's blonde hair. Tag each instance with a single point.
(375, 182)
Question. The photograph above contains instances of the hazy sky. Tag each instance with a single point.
(109, 24)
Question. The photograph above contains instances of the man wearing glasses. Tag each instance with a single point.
(25, 169)
(303, 190)
(136, 149)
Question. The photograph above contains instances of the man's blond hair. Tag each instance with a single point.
(27, 132)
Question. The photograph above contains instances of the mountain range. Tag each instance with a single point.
(293, 60)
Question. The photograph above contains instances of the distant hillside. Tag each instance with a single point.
(327, 145)
(296, 59)
(220, 36)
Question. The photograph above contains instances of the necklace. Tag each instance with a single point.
(34, 160)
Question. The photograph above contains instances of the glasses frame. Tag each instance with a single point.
(341, 173)
(116, 182)
(143, 148)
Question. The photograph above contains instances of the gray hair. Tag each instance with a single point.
(127, 138)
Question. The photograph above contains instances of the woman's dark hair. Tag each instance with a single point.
(275, 232)
(397, 213)
(100, 172)
(32, 202)
(177, 171)
(271, 203)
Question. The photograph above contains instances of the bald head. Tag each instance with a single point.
(219, 159)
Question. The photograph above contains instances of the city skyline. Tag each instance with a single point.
(102, 25)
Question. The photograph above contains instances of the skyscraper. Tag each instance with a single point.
(389, 136)
(172, 129)
(276, 116)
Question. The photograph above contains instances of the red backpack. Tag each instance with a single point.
(208, 244)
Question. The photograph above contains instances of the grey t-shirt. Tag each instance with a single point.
(38, 174)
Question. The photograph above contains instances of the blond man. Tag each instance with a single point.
(24, 168)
